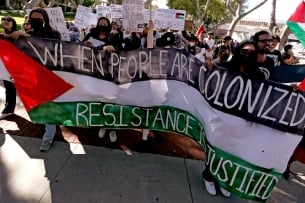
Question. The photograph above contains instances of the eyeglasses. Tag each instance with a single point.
(7, 19)
(246, 51)
(265, 41)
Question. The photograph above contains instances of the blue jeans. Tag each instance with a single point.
(49, 133)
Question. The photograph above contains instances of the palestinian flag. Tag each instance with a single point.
(179, 15)
(248, 128)
(296, 23)
(200, 30)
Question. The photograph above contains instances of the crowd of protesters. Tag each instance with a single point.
(254, 57)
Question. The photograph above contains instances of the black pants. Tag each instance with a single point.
(10, 97)
(206, 174)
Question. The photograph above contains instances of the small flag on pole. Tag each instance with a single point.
(200, 30)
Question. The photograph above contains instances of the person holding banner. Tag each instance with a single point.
(41, 28)
(101, 37)
(9, 25)
(243, 62)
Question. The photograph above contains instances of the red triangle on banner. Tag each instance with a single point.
(298, 16)
(35, 84)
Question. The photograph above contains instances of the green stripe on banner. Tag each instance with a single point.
(241, 177)
(107, 115)
(297, 30)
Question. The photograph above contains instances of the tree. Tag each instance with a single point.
(272, 21)
(212, 12)
(240, 11)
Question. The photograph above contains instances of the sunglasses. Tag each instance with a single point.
(7, 19)
(265, 41)
(246, 51)
(24, 24)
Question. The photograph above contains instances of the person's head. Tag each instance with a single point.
(288, 48)
(210, 35)
(244, 59)
(74, 34)
(114, 25)
(226, 40)
(39, 19)
(192, 40)
(9, 24)
(132, 43)
(168, 39)
(224, 53)
(263, 41)
(275, 40)
(26, 26)
(103, 28)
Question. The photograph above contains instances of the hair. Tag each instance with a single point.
(276, 37)
(250, 66)
(101, 18)
(223, 48)
(14, 26)
(287, 47)
(46, 31)
(255, 37)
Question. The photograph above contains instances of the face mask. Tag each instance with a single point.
(103, 28)
(192, 44)
(250, 57)
(37, 24)
(225, 56)
(74, 35)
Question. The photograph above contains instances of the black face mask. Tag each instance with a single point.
(103, 28)
(36, 24)
(250, 57)
(225, 56)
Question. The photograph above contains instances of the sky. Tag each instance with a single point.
(284, 8)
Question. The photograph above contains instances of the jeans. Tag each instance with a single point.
(10, 97)
(49, 133)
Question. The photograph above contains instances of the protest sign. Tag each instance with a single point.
(133, 14)
(169, 19)
(82, 16)
(103, 11)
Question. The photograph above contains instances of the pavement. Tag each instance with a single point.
(74, 172)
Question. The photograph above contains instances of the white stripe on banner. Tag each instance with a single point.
(253, 142)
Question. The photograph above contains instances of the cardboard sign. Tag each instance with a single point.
(82, 16)
(169, 19)
(133, 15)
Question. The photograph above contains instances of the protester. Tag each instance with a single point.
(222, 56)
(287, 56)
(26, 26)
(102, 37)
(211, 43)
(192, 47)
(225, 41)
(274, 53)
(41, 27)
(9, 26)
(168, 40)
(74, 34)
(263, 42)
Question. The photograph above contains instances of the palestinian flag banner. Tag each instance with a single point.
(296, 22)
(248, 128)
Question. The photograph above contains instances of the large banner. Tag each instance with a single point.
(248, 128)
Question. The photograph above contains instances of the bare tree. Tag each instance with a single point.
(272, 21)
(239, 12)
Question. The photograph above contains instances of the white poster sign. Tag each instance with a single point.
(103, 11)
(169, 19)
(82, 16)
(133, 15)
